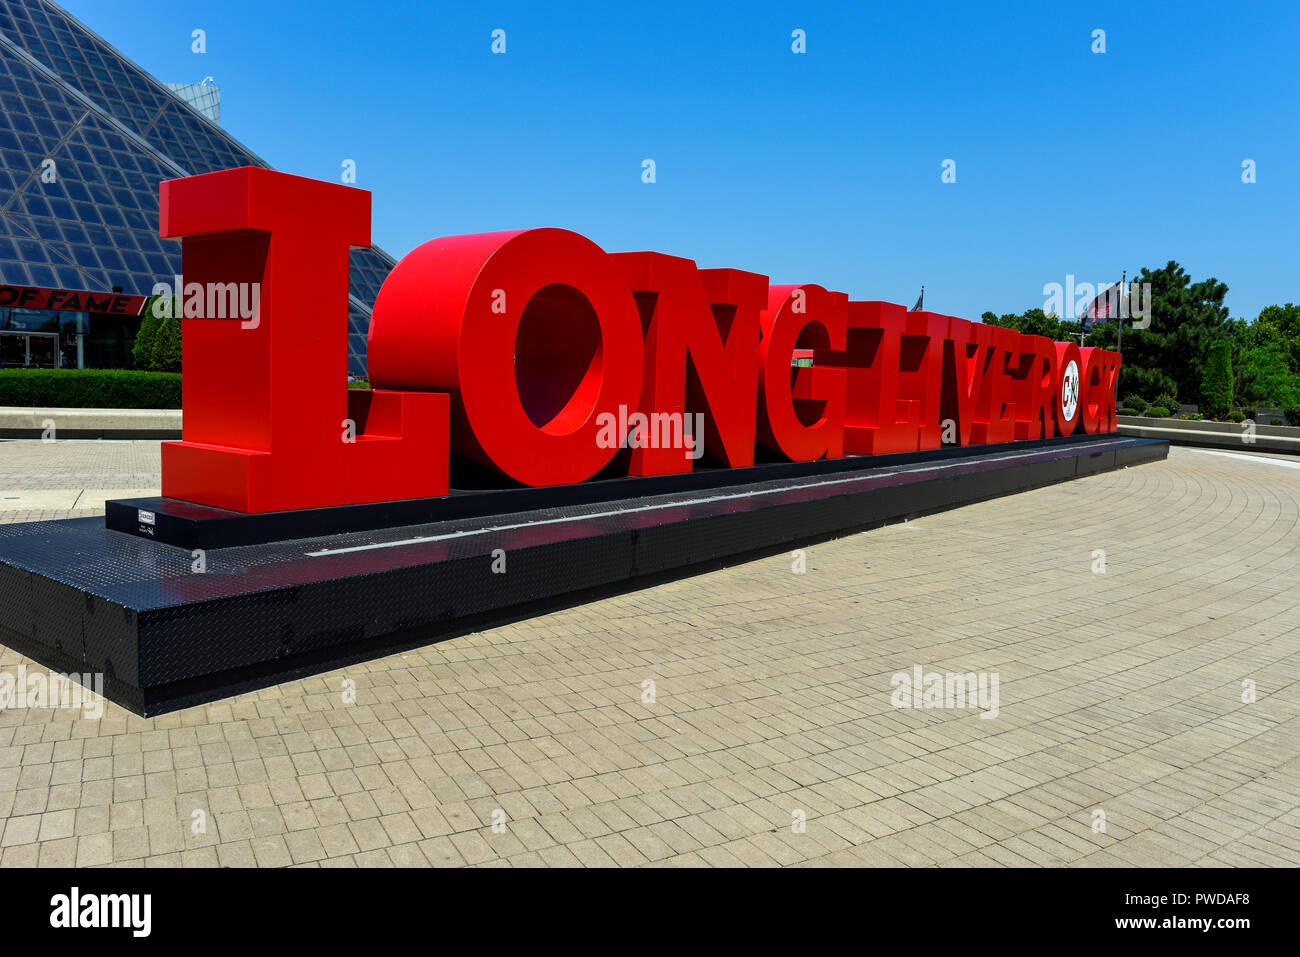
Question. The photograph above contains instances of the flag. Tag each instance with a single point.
(919, 301)
(1104, 308)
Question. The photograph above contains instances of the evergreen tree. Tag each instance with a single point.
(1186, 320)
(167, 346)
(1216, 383)
(146, 338)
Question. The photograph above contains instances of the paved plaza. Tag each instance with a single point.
(1143, 628)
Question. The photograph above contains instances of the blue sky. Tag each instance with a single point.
(817, 167)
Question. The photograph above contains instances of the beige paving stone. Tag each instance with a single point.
(94, 850)
(1119, 692)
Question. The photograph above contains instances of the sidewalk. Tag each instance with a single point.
(26, 423)
(73, 477)
(1148, 713)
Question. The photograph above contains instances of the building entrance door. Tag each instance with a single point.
(31, 350)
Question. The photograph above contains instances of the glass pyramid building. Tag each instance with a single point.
(89, 220)
(204, 98)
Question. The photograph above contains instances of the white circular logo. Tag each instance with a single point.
(1070, 390)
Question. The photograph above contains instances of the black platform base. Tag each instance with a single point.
(191, 526)
(77, 596)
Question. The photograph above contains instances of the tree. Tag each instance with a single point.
(1170, 355)
(147, 336)
(1283, 322)
(1033, 322)
(1265, 377)
(1216, 382)
(157, 345)
(167, 346)
(1266, 356)
(1152, 382)
(1186, 320)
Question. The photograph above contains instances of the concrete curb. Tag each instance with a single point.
(1214, 435)
(24, 423)
(27, 423)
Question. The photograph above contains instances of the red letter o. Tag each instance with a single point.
(533, 333)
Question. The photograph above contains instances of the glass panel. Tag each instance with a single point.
(42, 352)
(13, 350)
(68, 350)
(29, 320)
(104, 177)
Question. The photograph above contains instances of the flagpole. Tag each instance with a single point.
(1119, 340)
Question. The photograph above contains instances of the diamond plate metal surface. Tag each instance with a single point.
(135, 609)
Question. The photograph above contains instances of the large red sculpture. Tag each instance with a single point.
(269, 423)
(542, 357)
(532, 333)
(801, 411)
(701, 356)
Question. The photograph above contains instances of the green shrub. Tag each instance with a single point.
(167, 346)
(1166, 400)
(146, 339)
(1216, 382)
(90, 389)
(1236, 416)
(1136, 402)
(1275, 421)
(1192, 416)
(157, 345)
(1129, 412)
(1250, 414)
(1292, 415)
(1157, 412)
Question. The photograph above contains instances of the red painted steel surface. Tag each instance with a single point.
(267, 411)
(801, 410)
(541, 356)
(532, 333)
(711, 317)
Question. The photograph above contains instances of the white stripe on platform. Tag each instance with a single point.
(1250, 458)
(424, 539)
